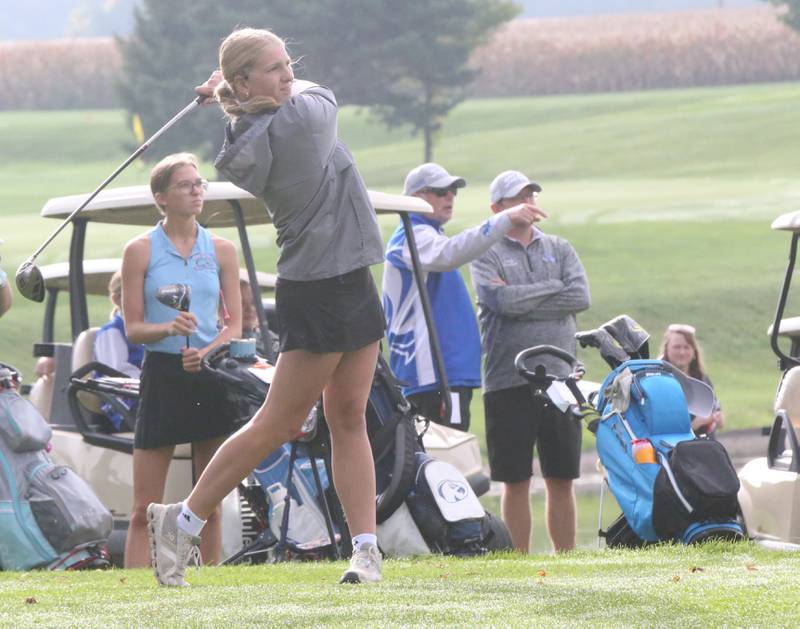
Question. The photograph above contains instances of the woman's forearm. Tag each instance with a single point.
(144, 333)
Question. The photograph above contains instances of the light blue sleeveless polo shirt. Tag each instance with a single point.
(200, 271)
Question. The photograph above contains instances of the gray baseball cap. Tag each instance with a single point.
(510, 183)
(430, 175)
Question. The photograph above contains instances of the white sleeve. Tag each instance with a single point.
(111, 349)
(439, 253)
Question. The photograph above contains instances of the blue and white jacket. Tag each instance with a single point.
(410, 355)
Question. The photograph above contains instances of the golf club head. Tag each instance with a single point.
(175, 296)
(30, 282)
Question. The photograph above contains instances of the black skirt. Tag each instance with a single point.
(179, 407)
(337, 314)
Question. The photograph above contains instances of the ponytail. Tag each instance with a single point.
(234, 108)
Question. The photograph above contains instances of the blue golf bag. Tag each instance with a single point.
(683, 488)
(670, 485)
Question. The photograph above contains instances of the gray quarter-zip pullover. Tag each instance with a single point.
(545, 286)
(292, 159)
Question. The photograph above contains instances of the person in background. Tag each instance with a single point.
(113, 349)
(250, 325)
(111, 344)
(410, 355)
(530, 286)
(179, 403)
(680, 348)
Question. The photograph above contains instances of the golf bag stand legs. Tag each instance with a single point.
(266, 539)
(280, 549)
(326, 511)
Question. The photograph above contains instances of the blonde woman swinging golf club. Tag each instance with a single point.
(281, 145)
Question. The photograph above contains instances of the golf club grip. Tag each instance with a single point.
(191, 106)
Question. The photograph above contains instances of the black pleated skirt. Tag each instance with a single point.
(337, 314)
(179, 407)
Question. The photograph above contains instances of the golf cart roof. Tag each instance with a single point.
(788, 222)
(789, 328)
(97, 273)
(134, 205)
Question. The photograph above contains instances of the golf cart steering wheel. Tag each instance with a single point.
(539, 375)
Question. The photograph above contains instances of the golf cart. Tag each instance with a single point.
(770, 486)
(97, 274)
(103, 458)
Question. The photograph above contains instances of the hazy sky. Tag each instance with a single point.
(48, 19)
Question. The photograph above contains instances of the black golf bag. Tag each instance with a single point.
(422, 505)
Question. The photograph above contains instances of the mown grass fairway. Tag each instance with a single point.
(667, 196)
(712, 585)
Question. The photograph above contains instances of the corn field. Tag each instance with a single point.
(58, 74)
(526, 57)
(637, 52)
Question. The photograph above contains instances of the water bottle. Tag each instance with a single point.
(643, 451)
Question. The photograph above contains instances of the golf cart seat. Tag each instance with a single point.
(788, 397)
(83, 354)
(87, 393)
(41, 395)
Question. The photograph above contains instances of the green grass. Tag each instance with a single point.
(712, 585)
(667, 196)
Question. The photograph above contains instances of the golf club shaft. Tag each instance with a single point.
(113, 175)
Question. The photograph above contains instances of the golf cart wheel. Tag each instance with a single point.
(498, 537)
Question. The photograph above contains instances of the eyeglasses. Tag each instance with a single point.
(681, 327)
(442, 192)
(187, 187)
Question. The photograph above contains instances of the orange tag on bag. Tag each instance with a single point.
(643, 451)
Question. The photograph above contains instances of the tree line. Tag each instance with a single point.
(407, 62)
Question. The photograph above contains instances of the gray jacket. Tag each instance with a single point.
(292, 159)
(545, 286)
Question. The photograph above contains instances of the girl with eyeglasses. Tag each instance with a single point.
(178, 402)
(680, 348)
(281, 145)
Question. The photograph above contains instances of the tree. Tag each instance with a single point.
(792, 14)
(174, 46)
(407, 62)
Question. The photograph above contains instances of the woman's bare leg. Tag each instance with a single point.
(211, 544)
(150, 469)
(345, 402)
(299, 380)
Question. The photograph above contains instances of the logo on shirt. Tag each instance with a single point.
(548, 258)
(203, 262)
(403, 345)
(486, 229)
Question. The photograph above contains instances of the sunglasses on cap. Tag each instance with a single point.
(442, 192)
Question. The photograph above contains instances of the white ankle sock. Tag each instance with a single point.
(189, 522)
(364, 538)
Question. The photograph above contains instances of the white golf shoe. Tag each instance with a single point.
(171, 548)
(365, 565)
